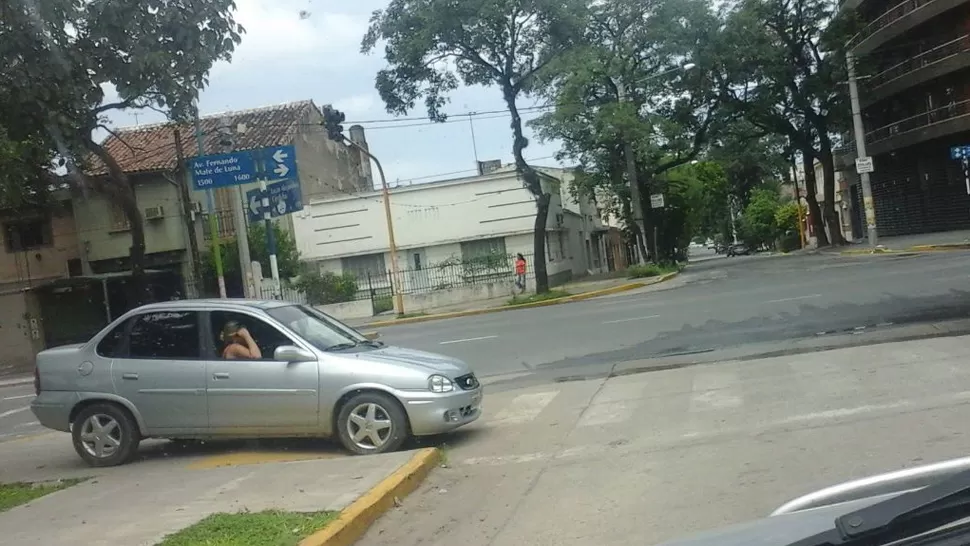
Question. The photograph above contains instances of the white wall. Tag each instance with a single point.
(424, 215)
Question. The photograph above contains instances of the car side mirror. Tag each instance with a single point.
(372, 335)
(292, 353)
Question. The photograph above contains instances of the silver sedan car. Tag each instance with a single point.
(158, 372)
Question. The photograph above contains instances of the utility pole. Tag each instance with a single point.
(860, 144)
(332, 120)
(798, 201)
(211, 208)
(182, 182)
(636, 202)
(238, 216)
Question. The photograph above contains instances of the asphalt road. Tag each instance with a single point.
(715, 304)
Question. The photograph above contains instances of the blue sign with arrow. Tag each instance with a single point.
(960, 152)
(243, 167)
(285, 197)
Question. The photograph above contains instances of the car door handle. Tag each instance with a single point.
(131, 376)
(220, 375)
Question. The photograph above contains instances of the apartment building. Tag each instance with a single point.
(914, 87)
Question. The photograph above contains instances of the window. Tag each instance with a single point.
(484, 247)
(363, 267)
(119, 221)
(165, 334)
(266, 336)
(21, 235)
(315, 327)
(111, 345)
(417, 261)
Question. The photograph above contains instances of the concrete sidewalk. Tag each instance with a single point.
(142, 502)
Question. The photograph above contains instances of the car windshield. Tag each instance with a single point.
(316, 328)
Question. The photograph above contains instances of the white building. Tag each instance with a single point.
(451, 234)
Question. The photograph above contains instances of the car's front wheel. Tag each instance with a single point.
(105, 435)
(372, 423)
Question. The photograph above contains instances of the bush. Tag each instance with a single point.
(324, 288)
(382, 304)
(642, 271)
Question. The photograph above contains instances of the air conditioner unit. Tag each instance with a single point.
(154, 213)
(197, 207)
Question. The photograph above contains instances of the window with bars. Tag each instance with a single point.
(362, 267)
(471, 250)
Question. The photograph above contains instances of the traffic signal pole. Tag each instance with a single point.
(332, 120)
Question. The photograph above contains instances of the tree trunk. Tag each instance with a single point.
(814, 212)
(186, 198)
(121, 192)
(828, 190)
(534, 185)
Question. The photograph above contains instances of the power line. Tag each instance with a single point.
(463, 116)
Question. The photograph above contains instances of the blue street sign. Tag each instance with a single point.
(960, 152)
(243, 167)
(285, 197)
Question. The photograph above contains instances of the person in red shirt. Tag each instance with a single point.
(520, 272)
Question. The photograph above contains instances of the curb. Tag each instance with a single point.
(557, 301)
(354, 520)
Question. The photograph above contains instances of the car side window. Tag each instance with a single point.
(111, 345)
(266, 336)
(165, 334)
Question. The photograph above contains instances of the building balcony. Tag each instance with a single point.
(897, 20)
(931, 64)
(930, 125)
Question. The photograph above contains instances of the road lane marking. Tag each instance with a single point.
(523, 408)
(630, 319)
(8, 413)
(795, 298)
(28, 424)
(466, 339)
(20, 397)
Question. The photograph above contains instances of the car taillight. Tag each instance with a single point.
(36, 381)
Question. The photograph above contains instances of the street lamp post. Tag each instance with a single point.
(636, 204)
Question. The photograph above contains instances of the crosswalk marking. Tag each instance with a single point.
(607, 413)
(715, 390)
(523, 408)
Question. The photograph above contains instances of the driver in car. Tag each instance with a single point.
(238, 342)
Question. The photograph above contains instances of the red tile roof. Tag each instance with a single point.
(150, 148)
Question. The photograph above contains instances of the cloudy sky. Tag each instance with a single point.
(283, 58)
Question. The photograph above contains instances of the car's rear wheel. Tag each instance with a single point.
(372, 423)
(105, 435)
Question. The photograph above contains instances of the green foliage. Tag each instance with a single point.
(327, 287)
(759, 226)
(787, 218)
(382, 304)
(270, 528)
(15, 494)
(650, 270)
(287, 255)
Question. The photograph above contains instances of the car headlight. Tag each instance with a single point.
(440, 383)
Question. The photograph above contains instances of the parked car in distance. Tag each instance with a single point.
(158, 372)
(739, 249)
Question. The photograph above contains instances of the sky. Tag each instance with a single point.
(283, 58)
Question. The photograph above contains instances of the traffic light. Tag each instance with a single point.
(332, 120)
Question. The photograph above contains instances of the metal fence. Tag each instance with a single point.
(380, 287)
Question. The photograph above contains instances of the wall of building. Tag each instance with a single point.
(21, 332)
(48, 260)
(426, 215)
(104, 232)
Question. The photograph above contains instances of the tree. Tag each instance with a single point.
(783, 69)
(759, 225)
(62, 55)
(625, 106)
(432, 46)
(287, 256)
